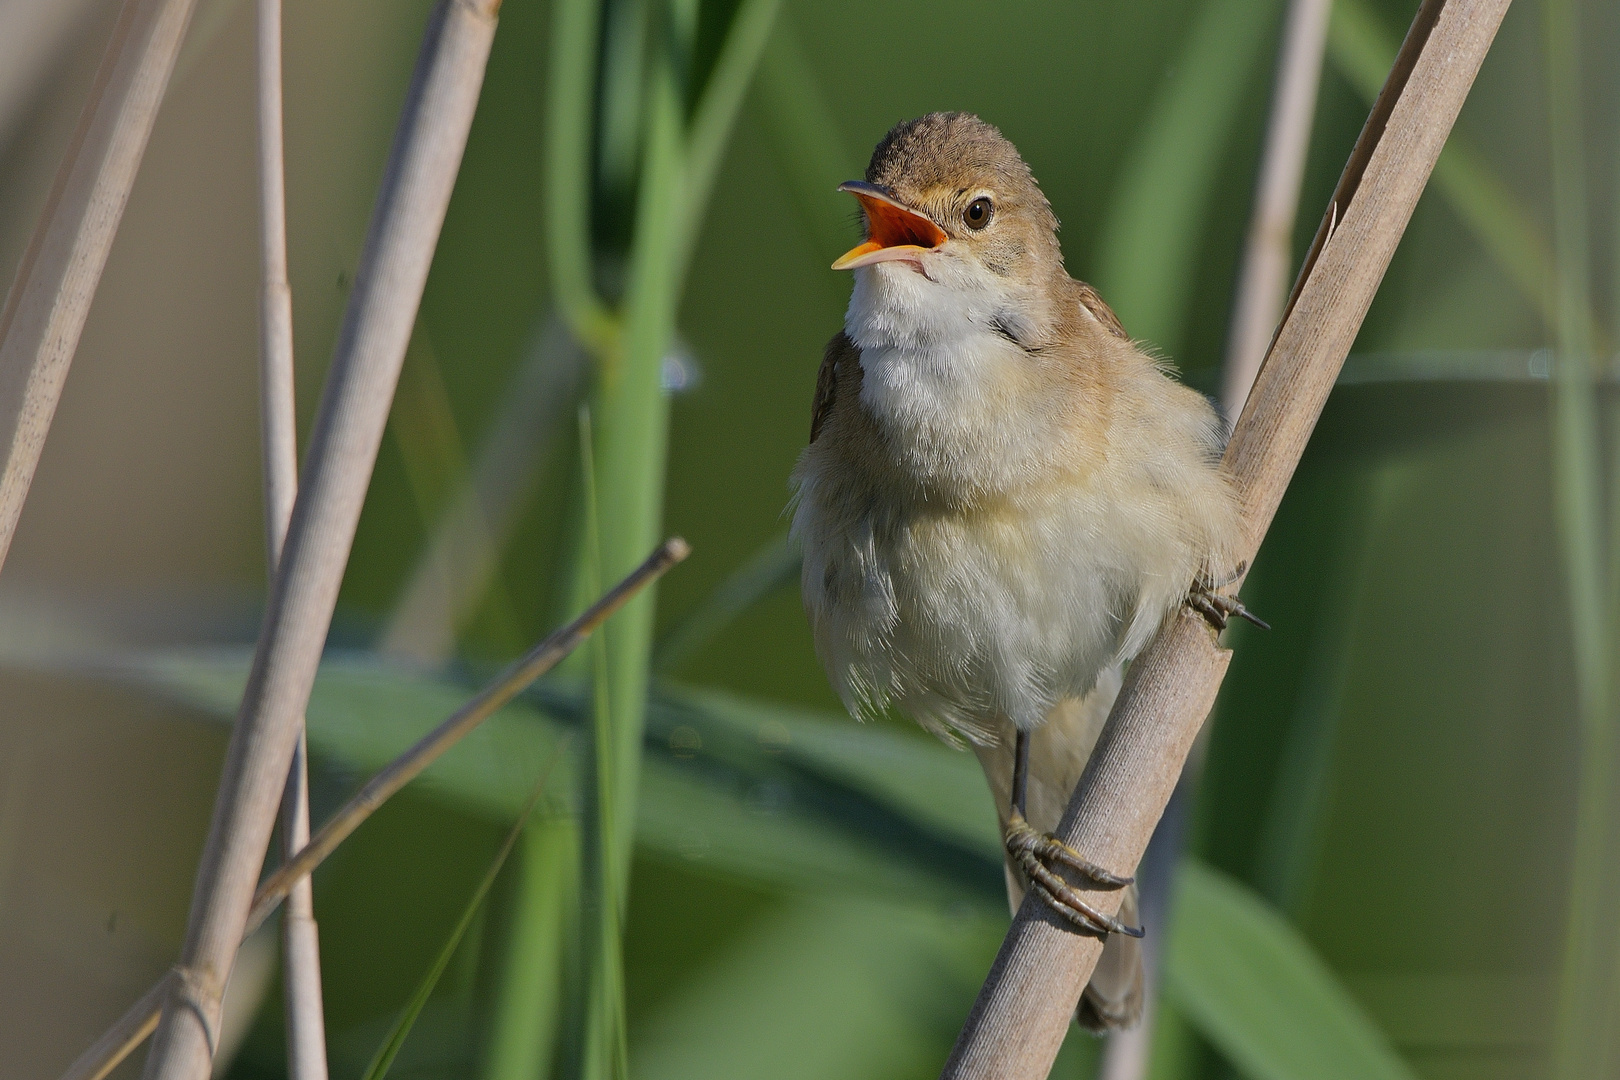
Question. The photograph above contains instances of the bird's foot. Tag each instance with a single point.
(1035, 853)
(1218, 608)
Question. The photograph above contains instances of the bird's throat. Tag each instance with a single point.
(952, 395)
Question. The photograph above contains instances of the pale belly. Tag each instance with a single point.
(961, 620)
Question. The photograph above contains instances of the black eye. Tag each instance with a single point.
(977, 215)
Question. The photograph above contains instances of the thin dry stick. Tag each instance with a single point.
(278, 426)
(388, 287)
(1023, 1011)
(1267, 253)
(405, 768)
(50, 298)
(135, 1025)
(1262, 288)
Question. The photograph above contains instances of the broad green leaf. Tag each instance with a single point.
(807, 801)
(365, 711)
(917, 775)
(782, 797)
(1256, 989)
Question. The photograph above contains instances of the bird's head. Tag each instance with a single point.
(949, 203)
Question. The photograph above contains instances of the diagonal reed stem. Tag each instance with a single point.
(50, 298)
(1023, 1011)
(1262, 288)
(278, 428)
(348, 431)
(135, 1025)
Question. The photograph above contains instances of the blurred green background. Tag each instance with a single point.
(1379, 853)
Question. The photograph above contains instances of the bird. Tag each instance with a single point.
(1002, 499)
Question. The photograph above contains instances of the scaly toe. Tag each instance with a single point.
(1023, 840)
(1033, 851)
(1218, 608)
(1061, 897)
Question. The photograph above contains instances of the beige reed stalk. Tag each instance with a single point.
(278, 425)
(1024, 1008)
(349, 426)
(56, 281)
(134, 1026)
(1268, 250)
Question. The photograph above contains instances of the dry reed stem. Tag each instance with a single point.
(56, 281)
(278, 426)
(300, 935)
(343, 448)
(135, 1025)
(1024, 1008)
(1267, 253)
(278, 420)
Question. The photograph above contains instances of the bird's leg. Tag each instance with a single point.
(1217, 608)
(1034, 852)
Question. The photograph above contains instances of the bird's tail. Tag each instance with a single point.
(1058, 751)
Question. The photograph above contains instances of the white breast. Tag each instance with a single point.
(958, 400)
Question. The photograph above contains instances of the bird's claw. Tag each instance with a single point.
(1218, 608)
(1032, 851)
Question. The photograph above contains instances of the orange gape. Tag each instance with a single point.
(893, 231)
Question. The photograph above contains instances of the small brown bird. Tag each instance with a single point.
(1002, 499)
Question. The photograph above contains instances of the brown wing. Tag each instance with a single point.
(840, 350)
(1101, 311)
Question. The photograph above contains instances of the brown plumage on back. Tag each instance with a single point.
(1002, 497)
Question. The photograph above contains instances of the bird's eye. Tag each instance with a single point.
(977, 214)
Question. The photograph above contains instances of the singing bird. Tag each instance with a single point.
(1002, 499)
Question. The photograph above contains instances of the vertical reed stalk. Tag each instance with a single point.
(527, 994)
(630, 419)
(629, 435)
(56, 281)
(1585, 989)
(278, 425)
(627, 405)
(1267, 253)
(606, 1051)
(343, 448)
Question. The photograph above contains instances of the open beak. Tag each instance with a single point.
(897, 232)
